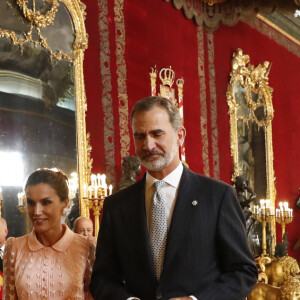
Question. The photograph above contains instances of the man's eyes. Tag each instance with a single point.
(157, 134)
(139, 136)
(154, 134)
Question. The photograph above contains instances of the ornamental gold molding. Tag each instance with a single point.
(120, 35)
(213, 106)
(202, 99)
(106, 97)
(213, 2)
(36, 17)
(37, 20)
(77, 11)
(249, 98)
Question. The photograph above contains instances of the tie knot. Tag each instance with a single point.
(159, 184)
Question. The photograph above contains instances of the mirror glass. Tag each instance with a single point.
(37, 102)
(251, 141)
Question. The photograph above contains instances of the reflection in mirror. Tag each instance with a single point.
(37, 100)
(251, 112)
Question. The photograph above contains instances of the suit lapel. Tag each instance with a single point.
(180, 216)
(139, 229)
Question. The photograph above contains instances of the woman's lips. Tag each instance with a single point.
(39, 221)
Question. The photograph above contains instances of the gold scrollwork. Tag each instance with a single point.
(38, 20)
(36, 17)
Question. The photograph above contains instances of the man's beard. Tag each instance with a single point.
(157, 163)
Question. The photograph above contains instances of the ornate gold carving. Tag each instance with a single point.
(280, 270)
(276, 281)
(213, 2)
(108, 120)
(37, 20)
(213, 106)
(36, 17)
(203, 105)
(122, 73)
(252, 80)
(167, 76)
(75, 8)
(290, 289)
(153, 76)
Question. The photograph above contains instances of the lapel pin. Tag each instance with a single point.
(195, 202)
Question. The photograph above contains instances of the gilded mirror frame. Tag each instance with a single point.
(77, 12)
(253, 80)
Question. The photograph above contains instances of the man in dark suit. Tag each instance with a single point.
(174, 234)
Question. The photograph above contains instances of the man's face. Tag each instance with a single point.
(84, 227)
(156, 142)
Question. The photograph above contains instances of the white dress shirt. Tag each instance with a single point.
(169, 192)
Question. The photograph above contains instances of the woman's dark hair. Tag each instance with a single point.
(56, 179)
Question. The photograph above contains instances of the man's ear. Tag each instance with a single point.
(181, 133)
(6, 232)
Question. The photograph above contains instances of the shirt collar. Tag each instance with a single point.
(60, 246)
(172, 179)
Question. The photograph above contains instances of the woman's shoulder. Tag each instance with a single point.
(16, 241)
(14, 244)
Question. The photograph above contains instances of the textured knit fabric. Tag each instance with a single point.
(158, 228)
(62, 271)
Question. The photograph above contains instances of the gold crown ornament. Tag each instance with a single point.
(167, 76)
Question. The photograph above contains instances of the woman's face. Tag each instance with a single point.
(44, 207)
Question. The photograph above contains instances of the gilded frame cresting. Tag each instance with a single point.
(253, 79)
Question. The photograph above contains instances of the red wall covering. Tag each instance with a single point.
(158, 34)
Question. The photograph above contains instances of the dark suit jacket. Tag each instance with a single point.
(207, 255)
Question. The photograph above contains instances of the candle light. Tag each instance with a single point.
(93, 179)
(0, 193)
(96, 191)
(90, 192)
(110, 189)
(99, 179)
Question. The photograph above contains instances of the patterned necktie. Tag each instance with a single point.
(1, 253)
(158, 228)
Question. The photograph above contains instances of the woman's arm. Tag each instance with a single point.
(89, 268)
(9, 287)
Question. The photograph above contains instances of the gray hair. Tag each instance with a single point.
(149, 103)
